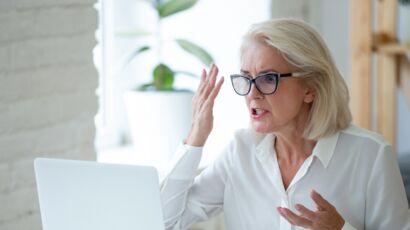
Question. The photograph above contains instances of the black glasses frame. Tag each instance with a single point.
(251, 81)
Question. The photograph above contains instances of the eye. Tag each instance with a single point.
(269, 78)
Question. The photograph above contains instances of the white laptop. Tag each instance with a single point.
(84, 195)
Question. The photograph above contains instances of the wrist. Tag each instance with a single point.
(194, 140)
(194, 143)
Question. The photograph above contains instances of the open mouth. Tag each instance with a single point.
(257, 112)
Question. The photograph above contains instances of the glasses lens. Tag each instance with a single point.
(240, 84)
(267, 83)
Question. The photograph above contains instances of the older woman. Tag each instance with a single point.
(302, 164)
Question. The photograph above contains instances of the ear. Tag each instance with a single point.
(309, 95)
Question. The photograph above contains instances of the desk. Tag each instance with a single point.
(127, 155)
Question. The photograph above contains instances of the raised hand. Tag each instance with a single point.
(325, 217)
(202, 107)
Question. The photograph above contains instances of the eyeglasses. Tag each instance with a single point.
(266, 83)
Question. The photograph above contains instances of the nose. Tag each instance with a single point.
(254, 93)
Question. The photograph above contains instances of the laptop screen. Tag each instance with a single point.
(85, 195)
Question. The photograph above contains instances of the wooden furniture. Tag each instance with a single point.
(373, 87)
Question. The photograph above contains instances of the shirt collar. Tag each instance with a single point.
(264, 148)
(323, 150)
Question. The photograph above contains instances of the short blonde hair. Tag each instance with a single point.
(305, 50)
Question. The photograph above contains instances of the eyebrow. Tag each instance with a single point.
(261, 72)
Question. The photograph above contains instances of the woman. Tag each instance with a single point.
(302, 164)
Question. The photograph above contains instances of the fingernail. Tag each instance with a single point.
(280, 210)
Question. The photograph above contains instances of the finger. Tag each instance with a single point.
(203, 75)
(214, 93)
(212, 75)
(320, 201)
(209, 73)
(211, 79)
(307, 213)
(294, 219)
(202, 81)
(201, 85)
(216, 89)
(202, 91)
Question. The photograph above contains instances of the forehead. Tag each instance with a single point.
(259, 57)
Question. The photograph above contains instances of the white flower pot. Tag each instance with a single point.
(159, 122)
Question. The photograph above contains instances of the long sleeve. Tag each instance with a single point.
(386, 203)
(347, 226)
(188, 199)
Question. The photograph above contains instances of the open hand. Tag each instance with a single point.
(325, 217)
(202, 107)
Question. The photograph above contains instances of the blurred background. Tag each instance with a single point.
(65, 67)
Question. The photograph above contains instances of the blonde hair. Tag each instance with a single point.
(304, 49)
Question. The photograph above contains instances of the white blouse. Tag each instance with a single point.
(355, 170)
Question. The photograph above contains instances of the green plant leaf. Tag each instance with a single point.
(145, 87)
(163, 77)
(196, 51)
(170, 7)
(133, 33)
(134, 53)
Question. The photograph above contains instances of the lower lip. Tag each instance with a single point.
(258, 116)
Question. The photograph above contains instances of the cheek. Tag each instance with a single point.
(291, 108)
(247, 101)
(285, 106)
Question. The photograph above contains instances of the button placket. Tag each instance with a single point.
(284, 224)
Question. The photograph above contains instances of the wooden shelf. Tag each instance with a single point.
(393, 48)
(373, 34)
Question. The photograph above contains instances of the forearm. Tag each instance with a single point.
(175, 188)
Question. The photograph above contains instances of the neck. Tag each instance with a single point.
(291, 146)
(293, 149)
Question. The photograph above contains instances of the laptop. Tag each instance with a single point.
(85, 195)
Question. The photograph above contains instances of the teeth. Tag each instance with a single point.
(258, 111)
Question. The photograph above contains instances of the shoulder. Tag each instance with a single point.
(363, 145)
(361, 133)
(244, 143)
(240, 142)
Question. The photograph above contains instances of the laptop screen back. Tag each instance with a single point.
(89, 195)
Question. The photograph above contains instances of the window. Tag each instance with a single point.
(216, 25)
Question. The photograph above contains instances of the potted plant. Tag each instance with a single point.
(159, 114)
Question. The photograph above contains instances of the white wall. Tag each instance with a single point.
(329, 17)
(403, 106)
(47, 96)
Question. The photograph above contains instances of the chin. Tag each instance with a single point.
(261, 128)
